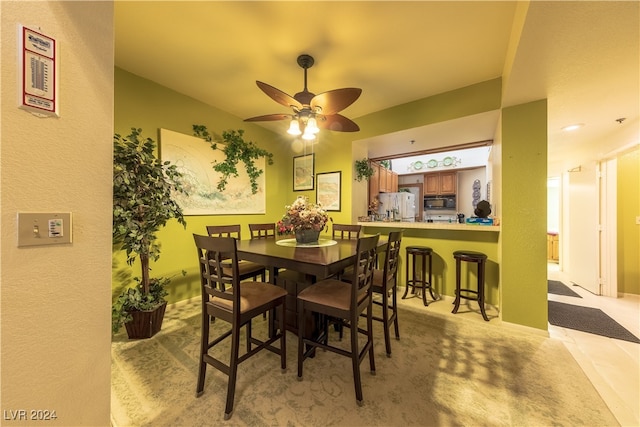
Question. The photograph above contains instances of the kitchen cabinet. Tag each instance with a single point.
(384, 176)
(440, 183)
(374, 182)
(383, 180)
(388, 180)
(394, 182)
(553, 247)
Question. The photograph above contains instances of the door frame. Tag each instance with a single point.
(608, 265)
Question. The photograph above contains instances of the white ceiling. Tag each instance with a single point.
(584, 57)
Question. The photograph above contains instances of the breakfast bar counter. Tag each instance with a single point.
(431, 226)
(446, 238)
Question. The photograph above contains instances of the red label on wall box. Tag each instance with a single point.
(38, 72)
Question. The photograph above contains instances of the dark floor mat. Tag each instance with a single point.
(559, 288)
(587, 319)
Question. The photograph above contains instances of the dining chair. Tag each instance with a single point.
(226, 297)
(263, 231)
(248, 269)
(346, 301)
(385, 282)
(345, 231)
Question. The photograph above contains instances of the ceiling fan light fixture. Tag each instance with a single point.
(312, 125)
(308, 135)
(310, 109)
(294, 127)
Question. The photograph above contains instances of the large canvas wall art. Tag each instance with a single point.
(194, 157)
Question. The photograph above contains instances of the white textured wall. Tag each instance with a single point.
(55, 300)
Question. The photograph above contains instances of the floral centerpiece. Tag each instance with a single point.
(304, 219)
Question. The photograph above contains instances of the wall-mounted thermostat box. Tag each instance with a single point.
(36, 229)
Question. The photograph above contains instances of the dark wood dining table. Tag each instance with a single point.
(297, 267)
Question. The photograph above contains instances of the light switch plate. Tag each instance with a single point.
(46, 228)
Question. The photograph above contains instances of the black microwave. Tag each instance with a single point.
(448, 202)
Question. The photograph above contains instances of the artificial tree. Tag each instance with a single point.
(143, 202)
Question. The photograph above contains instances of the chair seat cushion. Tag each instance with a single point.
(329, 292)
(252, 295)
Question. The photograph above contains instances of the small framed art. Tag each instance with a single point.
(303, 173)
(328, 190)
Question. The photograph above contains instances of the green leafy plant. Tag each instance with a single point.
(385, 164)
(143, 188)
(363, 169)
(135, 299)
(235, 149)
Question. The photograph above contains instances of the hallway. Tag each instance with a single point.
(613, 366)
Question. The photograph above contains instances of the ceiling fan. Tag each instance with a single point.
(311, 111)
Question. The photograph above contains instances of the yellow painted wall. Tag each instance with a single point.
(628, 231)
(524, 215)
(143, 104)
(55, 305)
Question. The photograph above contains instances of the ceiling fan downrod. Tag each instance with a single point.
(305, 62)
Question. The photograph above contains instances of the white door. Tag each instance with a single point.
(581, 248)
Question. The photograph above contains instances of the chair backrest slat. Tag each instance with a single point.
(363, 269)
(346, 231)
(263, 231)
(224, 231)
(392, 256)
(218, 267)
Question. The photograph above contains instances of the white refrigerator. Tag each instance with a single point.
(398, 206)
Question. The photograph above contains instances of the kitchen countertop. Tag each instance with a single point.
(431, 225)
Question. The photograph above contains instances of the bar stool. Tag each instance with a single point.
(470, 294)
(413, 281)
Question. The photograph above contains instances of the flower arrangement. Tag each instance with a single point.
(302, 215)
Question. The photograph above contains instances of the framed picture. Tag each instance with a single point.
(328, 192)
(303, 173)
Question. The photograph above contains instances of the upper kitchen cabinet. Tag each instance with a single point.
(388, 180)
(383, 180)
(440, 183)
(374, 182)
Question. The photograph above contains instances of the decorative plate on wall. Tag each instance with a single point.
(447, 161)
(418, 165)
(432, 163)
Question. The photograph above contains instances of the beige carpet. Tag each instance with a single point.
(445, 371)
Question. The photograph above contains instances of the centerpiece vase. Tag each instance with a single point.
(307, 236)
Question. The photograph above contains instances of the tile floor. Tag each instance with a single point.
(613, 366)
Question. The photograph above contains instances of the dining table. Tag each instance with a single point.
(296, 266)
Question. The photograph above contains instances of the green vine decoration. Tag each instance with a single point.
(235, 149)
(363, 170)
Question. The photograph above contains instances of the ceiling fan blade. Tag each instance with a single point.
(338, 123)
(336, 100)
(269, 118)
(279, 96)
